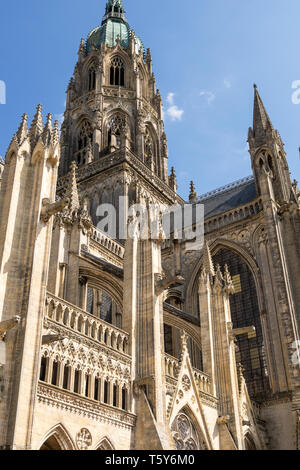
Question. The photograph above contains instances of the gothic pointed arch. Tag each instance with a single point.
(91, 77)
(117, 71)
(186, 431)
(245, 311)
(58, 438)
(105, 444)
(83, 141)
(117, 125)
(192, 290)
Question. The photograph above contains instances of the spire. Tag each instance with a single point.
(72, 190)
(262, 124)
(208, 264)
(193, 194)
(55, 133)
(22, 132)
(36, 128)
(172, 180)
(47, 133)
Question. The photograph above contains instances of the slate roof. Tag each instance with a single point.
(228, 197)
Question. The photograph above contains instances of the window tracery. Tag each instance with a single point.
(117, 127)
(84, 143)
(92, 78)
(185, 435)
(117, 72)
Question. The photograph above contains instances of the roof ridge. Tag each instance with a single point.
(226, 188)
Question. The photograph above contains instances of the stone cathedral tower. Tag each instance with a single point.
(109, 342)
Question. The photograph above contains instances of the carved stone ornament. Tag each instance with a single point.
(84, 439)
(186, 383)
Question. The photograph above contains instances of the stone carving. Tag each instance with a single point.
(186, 383)
(84, 439)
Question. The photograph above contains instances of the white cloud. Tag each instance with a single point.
(208, 95)
(227, 83)
(59, 118)
(170, 98)
(174, 113)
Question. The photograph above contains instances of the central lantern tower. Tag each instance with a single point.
(113, 127)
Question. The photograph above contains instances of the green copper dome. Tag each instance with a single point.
(114, 26)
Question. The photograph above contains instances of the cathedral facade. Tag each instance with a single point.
(116, 343)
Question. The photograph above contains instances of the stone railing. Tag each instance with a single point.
(111, 245)
(203, 381)
(172, 368)
(73, 318)
(83, 99)
(118, 92)
(123, 155)
(232, 216)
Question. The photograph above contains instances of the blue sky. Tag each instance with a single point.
(206, 56)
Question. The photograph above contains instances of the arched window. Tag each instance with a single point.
(103, 306)
(245, 312)
(84, 143)
(117, 72)
(185, 435)
(55, 370)
(77, 381)
(67, 376)
(43, 369)
(92, 78)
(118, 128)
(124, 398)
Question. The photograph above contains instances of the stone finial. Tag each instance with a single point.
(184, 340)
(36, 128)
(219, 279)
(228, 281)
(72, 190)
(208, 264)
(47, 132)
(81, 49)
(173, 180)
(55, 133)
(22, 132)
(193, 194)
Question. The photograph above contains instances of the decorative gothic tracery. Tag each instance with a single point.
(84, 142)
(185, 435)
(117, 72)
(92, 78)
(117, 129)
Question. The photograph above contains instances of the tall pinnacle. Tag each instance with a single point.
(260, 115)
(208, 264)
(262, 124)
(23, 129)
(72, 190)
(36, 128)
